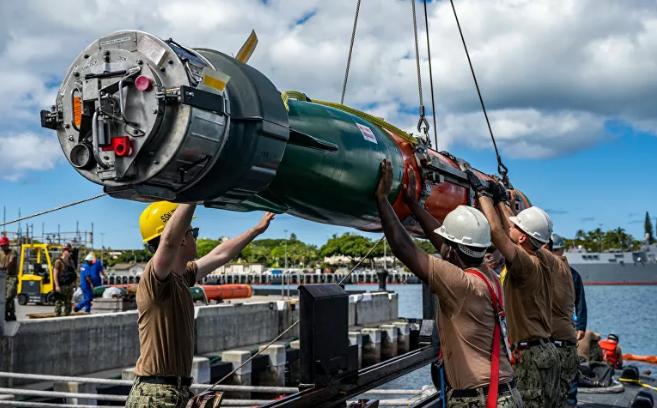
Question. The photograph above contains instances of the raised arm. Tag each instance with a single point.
(505, 212)
(498, 232)
(228, 250)
(401, 243)
(500, 237)
(428, 223)
(171, 239)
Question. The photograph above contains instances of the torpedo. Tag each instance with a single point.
(150, 119)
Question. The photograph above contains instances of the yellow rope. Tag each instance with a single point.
(300, 96)
(629, 380)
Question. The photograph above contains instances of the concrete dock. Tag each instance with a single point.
(226, 335)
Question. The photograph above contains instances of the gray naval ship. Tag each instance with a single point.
(616, 268)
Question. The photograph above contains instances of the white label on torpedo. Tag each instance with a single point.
(367, 133)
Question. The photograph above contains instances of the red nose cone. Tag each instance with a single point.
(143, 83)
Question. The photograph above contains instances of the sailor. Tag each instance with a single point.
(96, 269)
(611, 351)
(563, 328)
(64, 277)
(494, 260)
(563, 336)
(476, 361)
(527, 291)
(9, 267)
(558, 246)
(165, 306)
(86, 284)
(588, 348)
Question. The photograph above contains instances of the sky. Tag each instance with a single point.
(570, 87)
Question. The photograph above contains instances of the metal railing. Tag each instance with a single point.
(108, 397)
(104, 381)
(123, 398)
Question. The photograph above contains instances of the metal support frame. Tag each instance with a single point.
(342, 389)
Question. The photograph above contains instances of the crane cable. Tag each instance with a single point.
(501, 168)
(61, 207)
(422, 123)
(433, 101)
(351, 49)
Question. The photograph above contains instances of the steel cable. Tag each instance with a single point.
(433, 100)
(351, 48)
(501, 168)
(417, 58)
(422, 124)
(360, 261)
(248, 360)
(61, 207)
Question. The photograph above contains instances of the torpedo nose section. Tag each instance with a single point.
(152, 119)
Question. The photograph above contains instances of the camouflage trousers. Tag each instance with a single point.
(508, 400)
(146, 395)
(537, 369)
(63, 300)
(10, 294)
(569, 363)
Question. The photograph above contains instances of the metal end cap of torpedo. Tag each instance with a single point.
(124, 110)
(151, 119)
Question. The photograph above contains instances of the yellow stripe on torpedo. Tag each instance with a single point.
(216, 81)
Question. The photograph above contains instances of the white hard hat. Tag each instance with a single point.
(557, 241)
(90, 257)
(468, 227)
(534, 222)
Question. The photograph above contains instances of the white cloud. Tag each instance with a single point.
(525, 133)
(25, 152)
(552, 72)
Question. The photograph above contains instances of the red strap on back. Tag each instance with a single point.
(498, 307)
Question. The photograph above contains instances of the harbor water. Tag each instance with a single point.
(628, 311)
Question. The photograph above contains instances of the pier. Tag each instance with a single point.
(51, 359)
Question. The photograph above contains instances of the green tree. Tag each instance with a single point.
(129, 256)
(255, 253)
(649, 232)
(205, 245)
(426, 246)
(298, 254)
(271, 252)
(598, 240)
(616, 239)
(352, 245)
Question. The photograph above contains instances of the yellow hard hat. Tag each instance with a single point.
(153, 219)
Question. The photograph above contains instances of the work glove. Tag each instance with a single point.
(498, 192)
(476, 184)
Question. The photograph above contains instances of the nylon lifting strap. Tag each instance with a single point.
(498, 308)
